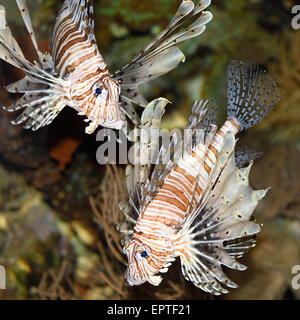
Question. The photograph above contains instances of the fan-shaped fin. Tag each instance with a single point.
(221, 227)
(252, 93)
(162, 55)
(44, 95)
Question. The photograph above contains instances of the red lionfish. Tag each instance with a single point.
(75, 74)
(200, 208)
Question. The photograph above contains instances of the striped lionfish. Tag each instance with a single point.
(75, 74)
(200, 208)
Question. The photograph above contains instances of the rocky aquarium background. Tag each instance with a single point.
(58, 207)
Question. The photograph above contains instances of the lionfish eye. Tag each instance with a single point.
(144, 254)
(98, 91)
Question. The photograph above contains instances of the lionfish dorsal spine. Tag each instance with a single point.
(162, 54)
(45, 60)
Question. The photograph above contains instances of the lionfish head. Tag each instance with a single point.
(142, 266)
(100, 103)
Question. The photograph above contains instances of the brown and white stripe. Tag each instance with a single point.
(78, 61)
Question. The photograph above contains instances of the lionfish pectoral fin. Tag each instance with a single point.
(44, 95)
(220, 228)
(150, 69)
(162, 55)
(37, 115)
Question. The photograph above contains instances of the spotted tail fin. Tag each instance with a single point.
(221, 227)
(44, 94)
(252, 93)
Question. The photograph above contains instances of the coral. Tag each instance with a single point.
(107, 215)
(51, 286)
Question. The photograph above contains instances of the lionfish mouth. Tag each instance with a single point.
(134, 279)
(155, 280)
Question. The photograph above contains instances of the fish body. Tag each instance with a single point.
(79, 62)
(159, 224)
(75, 74)
(200, 209)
